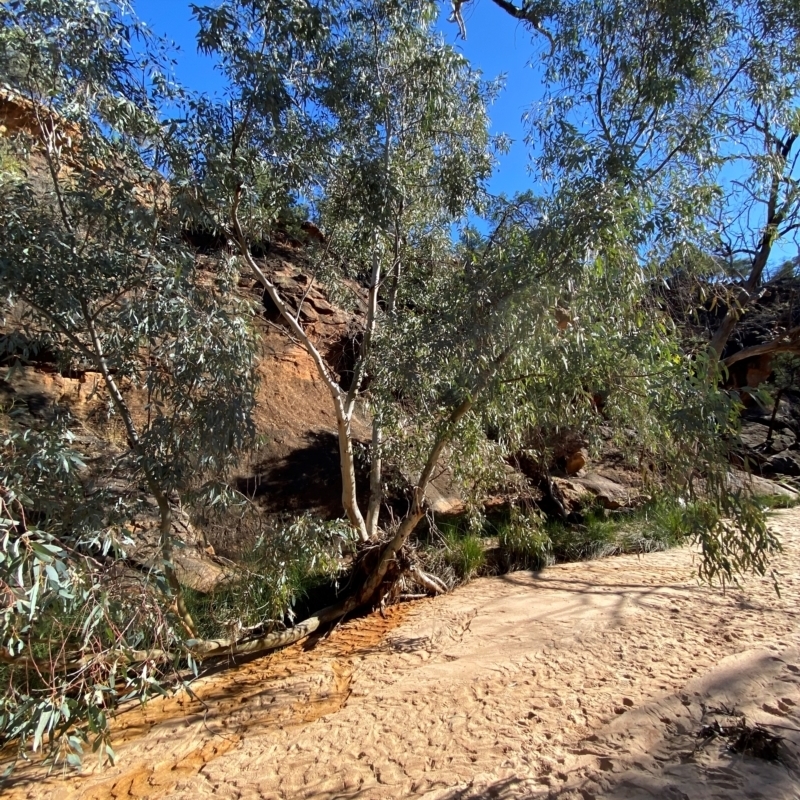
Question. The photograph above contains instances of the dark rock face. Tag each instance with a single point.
(770, 445)
(785, 463)
(755, 438)
(776, 311)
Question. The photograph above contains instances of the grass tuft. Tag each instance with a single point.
(463, 552)
(524, 541)
(775, 502)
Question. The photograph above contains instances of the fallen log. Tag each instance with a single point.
(203, 649)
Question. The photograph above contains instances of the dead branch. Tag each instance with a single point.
(427, 581)
(788, 343)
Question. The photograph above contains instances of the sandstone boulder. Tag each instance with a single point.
(608, 493)
(575, 462)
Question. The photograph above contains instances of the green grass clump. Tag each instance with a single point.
(598, 536)
(524, 541)
(775, 502)
(463, 552)
(669, 521)
(657, 525)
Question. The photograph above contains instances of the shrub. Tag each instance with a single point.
(524, 541)
(275, 574)
(579, 542)
(464, 553)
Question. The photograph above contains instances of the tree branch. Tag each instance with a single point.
(527, 16)
(788, 343)
(164, 508)
(346, 457)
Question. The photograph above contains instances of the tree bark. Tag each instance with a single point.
(348, 470)
(375, 480)
(525, 13)
(369, 329)
(771, 427)
(347, 462)
(723, 332)
(788, 343)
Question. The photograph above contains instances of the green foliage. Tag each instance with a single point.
(657, 525)
(411, 131)
(257, 149)
(597, 537)
(527, 540)
(464, 552)
(92, 263)
(691, 107)
(70, 617)
(536, 320)
(786, 371)
(10, 165)
(787, 270)
(524, 541)
(655, 94)
(727, 553)
(272, 577)
(703, 421)
(668, 521)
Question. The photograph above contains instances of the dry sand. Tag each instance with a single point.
(588, 680)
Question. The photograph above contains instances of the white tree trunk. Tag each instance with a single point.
(375, 480)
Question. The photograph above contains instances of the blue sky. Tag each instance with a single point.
(496, 44)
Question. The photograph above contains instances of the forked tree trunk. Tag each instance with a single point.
(775, 216)
(342, 402)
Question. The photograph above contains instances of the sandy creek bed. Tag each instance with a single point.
(588, 680)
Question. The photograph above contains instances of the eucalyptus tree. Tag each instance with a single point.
(548, 323)
(410, 158)
(394, 150)
(93, 269)
(444, 326)
(653, 103)
(691, 105)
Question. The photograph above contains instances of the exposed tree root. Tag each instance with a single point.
(426, 580)
(391, 588)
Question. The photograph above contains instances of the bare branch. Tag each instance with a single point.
(788, 343)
